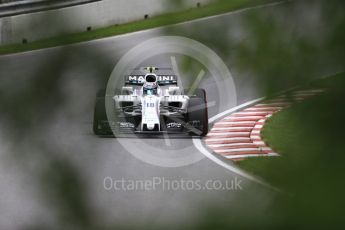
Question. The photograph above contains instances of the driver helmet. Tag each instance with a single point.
(150, 87)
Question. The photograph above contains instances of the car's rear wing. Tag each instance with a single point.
(140, 79)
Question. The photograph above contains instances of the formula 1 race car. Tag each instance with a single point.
(152, 103)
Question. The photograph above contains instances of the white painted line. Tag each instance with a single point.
(229, 166)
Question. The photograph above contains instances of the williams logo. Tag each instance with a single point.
(174, 125)
(126, 125)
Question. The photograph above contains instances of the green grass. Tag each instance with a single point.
(218, 7)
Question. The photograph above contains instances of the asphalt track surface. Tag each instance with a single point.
(83, 69)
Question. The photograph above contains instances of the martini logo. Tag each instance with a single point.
(141, 78)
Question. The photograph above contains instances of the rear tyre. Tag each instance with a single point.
(100, 117)
(198, 116)
(101, 125)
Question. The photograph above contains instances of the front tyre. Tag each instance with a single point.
(197, 117)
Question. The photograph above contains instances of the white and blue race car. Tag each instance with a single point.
(152, 103)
